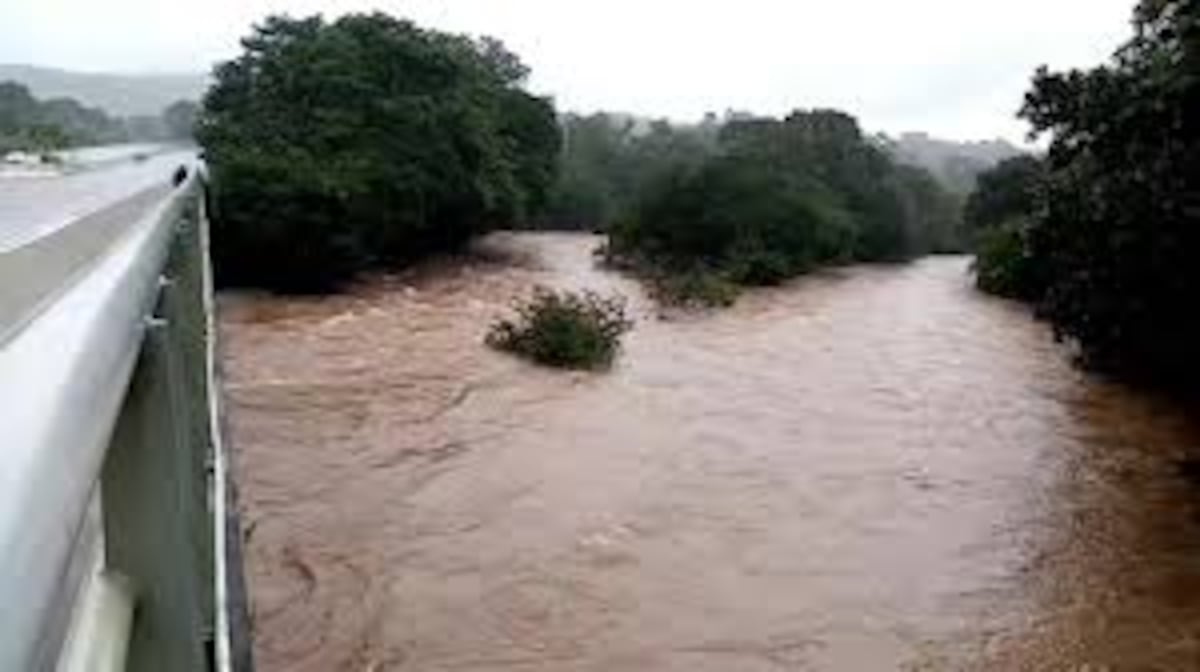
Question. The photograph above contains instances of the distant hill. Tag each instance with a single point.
(117, 94)
(955, 164)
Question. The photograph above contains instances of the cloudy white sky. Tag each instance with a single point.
(955, 68)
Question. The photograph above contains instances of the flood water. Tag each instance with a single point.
(873, 468)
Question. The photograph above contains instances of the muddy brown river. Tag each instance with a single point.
(872, 468)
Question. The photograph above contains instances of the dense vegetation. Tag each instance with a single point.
(29, 124)
(998, 218)
(367, 142)
(775, 198)
(1113, 234)
(564, 329)
(122, 95)
(33, 125)
(364, 142)
(608, 160)
(1003, 264)
(1005, 193)
(610, 163)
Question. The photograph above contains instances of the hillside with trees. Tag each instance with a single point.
(43, 126)
(119, 95)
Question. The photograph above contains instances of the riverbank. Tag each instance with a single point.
(869, 468)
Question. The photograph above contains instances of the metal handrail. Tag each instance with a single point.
(223, 637)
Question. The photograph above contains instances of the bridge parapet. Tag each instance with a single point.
(119, 550)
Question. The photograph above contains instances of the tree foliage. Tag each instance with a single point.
(778, 197)
(29, 124)
(1117, 231)
(998, 218)
(366, 141)
(608, 160)
(1003, 193)
(1003, 264)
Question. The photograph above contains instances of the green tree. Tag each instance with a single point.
(1003, 193)
(608, 160)
(363, 142)
(869, 188)
(530, 125)
(1119, 229)
(998, 217)
(1004, 265)
(45, 139)
(590, 192)
(18, 110)
(775, 198)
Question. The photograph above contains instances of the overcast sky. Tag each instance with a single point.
(954, 68)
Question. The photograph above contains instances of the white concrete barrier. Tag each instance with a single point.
(107, 381)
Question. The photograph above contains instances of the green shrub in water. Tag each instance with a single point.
(564, 329)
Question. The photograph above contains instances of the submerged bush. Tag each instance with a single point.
(564, 329)
(695, 288)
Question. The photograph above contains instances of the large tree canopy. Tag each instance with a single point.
(1117, 233)
(366, 141)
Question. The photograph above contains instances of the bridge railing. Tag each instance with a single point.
(119, 548)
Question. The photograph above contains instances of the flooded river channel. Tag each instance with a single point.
(872, 468)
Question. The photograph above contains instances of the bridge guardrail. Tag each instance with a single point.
(114, 493)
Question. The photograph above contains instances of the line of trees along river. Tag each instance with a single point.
(1102, 235)
(42, 126)
(368, 142)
